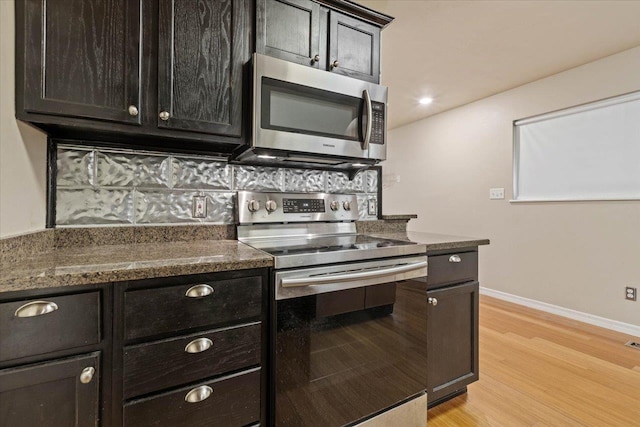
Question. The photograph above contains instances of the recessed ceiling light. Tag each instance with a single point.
(425, 101)
(266, 156)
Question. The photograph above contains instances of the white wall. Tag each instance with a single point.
(22, 148)
(577, 255)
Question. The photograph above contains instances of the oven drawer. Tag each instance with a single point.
(229, 401)
(178, 308)
(46, 324)
(168, 363)
(452, 268)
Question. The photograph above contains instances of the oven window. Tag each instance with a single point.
(302, 109)
(345, 355)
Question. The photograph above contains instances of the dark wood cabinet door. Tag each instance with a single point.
(290, 30)
(203, 45)
(80, 58)
(354, 48)
(452, 339)
(50, 394)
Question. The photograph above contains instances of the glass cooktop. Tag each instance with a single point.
(302, 251)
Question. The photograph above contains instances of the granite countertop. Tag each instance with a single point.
(111, 263)
(433, 241)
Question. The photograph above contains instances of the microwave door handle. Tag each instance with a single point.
(369, 111)
(347, 277)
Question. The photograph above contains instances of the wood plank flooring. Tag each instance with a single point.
(538, 369)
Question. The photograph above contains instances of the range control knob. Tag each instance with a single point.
(253, 205)
(334, 205)
(346, 205)
(271, 205)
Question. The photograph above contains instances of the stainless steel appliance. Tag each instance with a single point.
(348, 312)
(304, 115)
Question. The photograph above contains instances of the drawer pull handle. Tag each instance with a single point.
(198, 394)
(36, 308)
(87, 375)
(432, 301)
(199, 291)
(455, 258)
(198, 345)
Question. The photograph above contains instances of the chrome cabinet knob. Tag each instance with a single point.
(198, 345)
(334, 205)
(455, 258)
(253, 205)
(315, 59)
(432, 301)
(133, 110)
(36, 308)
(87, 375)
(346, 205)
(271, 205)
(335, 64)
(198, 394)
(199, 291)
(164, 115)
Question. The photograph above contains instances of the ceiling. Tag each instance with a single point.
(460, 51)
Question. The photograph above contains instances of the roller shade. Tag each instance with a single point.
(589, 152)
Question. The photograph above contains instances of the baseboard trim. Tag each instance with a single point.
(625, 328)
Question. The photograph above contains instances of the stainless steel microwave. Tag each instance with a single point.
(302, 114)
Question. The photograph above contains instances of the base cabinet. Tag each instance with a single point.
(452, 325)
(190, 349)
(58, 393)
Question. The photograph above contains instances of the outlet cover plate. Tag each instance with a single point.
(496, 193)
(372, 209)
(199, 207)
(631, 294)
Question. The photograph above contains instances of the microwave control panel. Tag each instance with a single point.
(377, 129)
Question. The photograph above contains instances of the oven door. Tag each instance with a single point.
(304, 110)
(351, 343)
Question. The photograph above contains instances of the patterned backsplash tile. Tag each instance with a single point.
(89, 206)
(97, 187)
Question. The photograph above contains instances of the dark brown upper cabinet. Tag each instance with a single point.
(201, 51)
(337, 35)
(354, 48)
(158, 74)
(81, 59)
(290, 30)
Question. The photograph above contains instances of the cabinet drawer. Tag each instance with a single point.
(452, 268)
(47, 324)
(162, 364)
(168, 310)
(233, 401)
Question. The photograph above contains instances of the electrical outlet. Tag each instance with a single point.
(496, 193)
(199, 207)
(372, 209)
(631, 293)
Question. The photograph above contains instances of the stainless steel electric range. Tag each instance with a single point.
(348, 312)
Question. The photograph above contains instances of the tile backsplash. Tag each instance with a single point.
(100, 187)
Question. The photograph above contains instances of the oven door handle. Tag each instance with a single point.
(348, 277)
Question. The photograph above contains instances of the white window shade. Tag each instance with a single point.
(590, 152)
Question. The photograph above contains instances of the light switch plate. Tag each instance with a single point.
(372, 208)
(199, 207)
(496, 193)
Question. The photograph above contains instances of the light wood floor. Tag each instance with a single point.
(538, 369)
